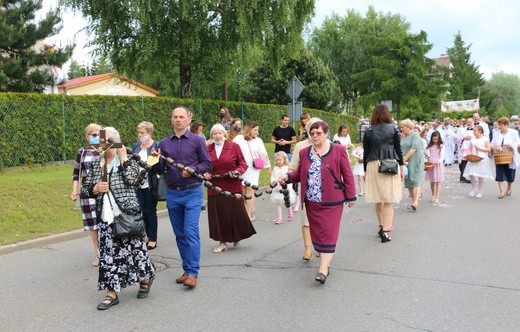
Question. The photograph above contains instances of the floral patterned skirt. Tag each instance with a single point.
(122, 262)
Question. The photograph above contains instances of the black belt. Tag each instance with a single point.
(185, 187)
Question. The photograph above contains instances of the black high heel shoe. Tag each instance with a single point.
(380, 233)
(385, 237)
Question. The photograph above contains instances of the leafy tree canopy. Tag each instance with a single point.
(321, 87)
(25, 61)
(464, 78)
(141, 36)
(501, 95)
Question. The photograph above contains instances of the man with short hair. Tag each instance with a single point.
(448, 139)
(284, 136)
(185, 193)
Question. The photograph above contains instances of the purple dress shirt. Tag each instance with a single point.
(188, 149)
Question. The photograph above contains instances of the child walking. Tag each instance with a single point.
(281, 167)
(435, 155)
(479, 170)
(358, 167)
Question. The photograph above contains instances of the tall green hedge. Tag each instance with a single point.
(39, 128)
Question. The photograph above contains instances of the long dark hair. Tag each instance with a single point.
(381, 114)
(435, 134)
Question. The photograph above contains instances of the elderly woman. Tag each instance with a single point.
(82, 166)
(293, 165)
(252, 148)
(326, 183)
(413, 156)
(122, 261)
(147, 200)
(227, 215)
(382, 141)
(506, 139)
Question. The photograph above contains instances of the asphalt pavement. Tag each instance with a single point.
(452, 267)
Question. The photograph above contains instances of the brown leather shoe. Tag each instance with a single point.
(181, 279)
(190, 281)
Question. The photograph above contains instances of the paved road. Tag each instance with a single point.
(453, 267)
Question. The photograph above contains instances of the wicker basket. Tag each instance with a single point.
(428, 166)
(473, 158)
(502, 158)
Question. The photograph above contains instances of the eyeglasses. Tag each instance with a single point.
(317, 133)
(94, 135)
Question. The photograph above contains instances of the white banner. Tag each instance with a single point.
(460, 106)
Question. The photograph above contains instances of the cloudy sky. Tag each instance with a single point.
(491, 27)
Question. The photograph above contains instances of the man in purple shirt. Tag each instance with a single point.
(185, 193)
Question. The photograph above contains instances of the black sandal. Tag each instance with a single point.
(107, 302)
(144, 289)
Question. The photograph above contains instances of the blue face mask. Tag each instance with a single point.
(94, 139)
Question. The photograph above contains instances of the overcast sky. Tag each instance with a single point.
(491, 27)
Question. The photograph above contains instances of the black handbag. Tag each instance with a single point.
(127, 225)
(388, 166)
(158, 186)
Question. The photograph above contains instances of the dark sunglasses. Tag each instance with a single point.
(94, 135)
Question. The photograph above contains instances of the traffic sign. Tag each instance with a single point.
(295, 88)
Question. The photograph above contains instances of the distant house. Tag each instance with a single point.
(111, 84)
(443, 61)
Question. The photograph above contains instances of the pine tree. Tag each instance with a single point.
(25, 61)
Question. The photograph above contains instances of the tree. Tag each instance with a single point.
(25, 61)
(98, 66)
(141, 36)
(501, 95)
(395, 66)
(464, 78)
(321, 88)
(375, 57)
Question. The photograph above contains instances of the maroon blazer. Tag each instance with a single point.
(331, 192)
(231, 159)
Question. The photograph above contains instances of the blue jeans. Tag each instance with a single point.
(149, 209)
(184, 211)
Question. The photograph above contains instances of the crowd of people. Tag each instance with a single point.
(107, 182)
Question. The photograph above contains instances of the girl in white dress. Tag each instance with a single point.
(480, 170)
(281, 167)
(358, 167)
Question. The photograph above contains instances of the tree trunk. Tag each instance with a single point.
(224, 91)
(185, 77)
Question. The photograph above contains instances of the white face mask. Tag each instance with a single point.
(144, 139)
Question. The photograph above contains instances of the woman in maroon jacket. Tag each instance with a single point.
(326, 183)
(227, 215)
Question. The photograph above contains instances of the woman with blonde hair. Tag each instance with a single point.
(413, 157)
(82, 166)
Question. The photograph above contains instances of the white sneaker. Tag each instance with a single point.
(472, 194)
(478, 195)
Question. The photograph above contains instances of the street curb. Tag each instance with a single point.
(52, 239)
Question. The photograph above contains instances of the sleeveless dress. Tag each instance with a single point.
(436, 173)
(483, 168)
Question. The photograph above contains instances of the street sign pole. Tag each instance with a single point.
(294, 90)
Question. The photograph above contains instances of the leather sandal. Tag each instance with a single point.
(144, 289)
(107, 302)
